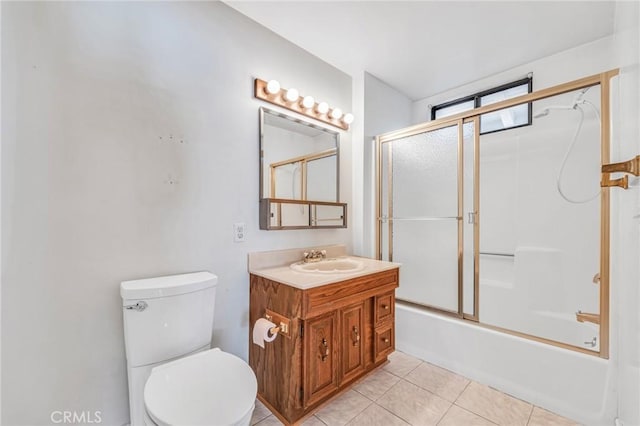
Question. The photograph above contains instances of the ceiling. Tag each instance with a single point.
(422, 48)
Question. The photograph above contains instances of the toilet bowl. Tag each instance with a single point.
(209, 388)
(174, 376)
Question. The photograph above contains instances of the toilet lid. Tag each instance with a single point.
(209, 388)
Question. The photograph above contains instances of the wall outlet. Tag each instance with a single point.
(238, 232)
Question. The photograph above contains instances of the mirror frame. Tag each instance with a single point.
(265, 214)
(265, 202)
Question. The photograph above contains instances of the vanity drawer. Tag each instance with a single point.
(321, 299)
(384, 307)
(384, 342)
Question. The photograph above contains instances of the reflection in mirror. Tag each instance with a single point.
(294, 214)
(289, 215)
(324, 215)
(299, 161)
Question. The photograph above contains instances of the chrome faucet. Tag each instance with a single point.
(314, 256)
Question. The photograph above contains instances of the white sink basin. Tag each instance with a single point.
(329, 266)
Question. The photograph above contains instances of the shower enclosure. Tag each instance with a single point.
(509, 229)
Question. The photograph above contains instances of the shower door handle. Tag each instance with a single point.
(472, 218)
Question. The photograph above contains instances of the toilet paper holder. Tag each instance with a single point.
(283, 323)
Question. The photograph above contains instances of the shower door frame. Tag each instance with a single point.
(442, 124)
(603, 80)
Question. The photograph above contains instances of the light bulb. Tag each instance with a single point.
(273, 87)
(308, 102)
(348, 118)
(323, 107)
(336, 113)
(292, 95)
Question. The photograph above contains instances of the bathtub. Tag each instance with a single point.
(504, 305)
(572, 384)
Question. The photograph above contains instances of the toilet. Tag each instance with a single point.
(175, 378)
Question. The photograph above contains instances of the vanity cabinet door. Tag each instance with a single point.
(352, 342)
(320, 366)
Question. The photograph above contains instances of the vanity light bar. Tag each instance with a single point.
(291, 99)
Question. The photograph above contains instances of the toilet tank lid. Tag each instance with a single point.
(170, 285)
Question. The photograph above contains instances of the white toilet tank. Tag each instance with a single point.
(164, 318)
(167, 317)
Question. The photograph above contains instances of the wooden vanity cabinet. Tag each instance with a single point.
(339, 332)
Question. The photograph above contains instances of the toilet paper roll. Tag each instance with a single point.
(261, 332)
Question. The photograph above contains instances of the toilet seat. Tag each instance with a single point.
(208, 388)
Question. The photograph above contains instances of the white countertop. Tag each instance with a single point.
(307, 280)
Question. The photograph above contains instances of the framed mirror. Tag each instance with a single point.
(299, 174)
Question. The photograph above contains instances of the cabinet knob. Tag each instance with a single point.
(355, 336)
(385, 339)
(385, 307)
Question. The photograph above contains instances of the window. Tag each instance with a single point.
(508, 118)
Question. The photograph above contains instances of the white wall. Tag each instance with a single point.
(581, 61)
(385, 109)
(104, 105)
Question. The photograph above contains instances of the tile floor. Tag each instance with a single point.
(408, 391)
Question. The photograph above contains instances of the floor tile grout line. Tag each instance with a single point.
(372, 400)
(420, 362)
(530, 414)
(262, 418)
(357, 414)
(257, 424)
(444, 414)
(415, 368)
(436, 393)
(474, 413)
(392, 413)
(399, 416)
(320, 420)
(499, 392)
(388, 390)
(463, 390)
(426, 390)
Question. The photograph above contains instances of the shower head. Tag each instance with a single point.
(574, 105)
(547, 110)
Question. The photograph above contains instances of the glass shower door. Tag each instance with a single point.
(511, 230)
(421, 215)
